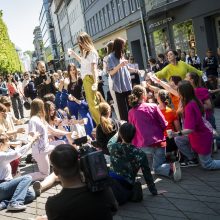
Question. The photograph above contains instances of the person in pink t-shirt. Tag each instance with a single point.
(200, 138)
(150, 125)
(203, 95)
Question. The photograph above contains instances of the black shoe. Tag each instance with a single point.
(189, 163)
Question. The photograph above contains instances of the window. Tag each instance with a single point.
(102, 19)
(133, 5)
(95, 24)
(105, 13)
(126, 7)
(161, 42)
(120, 9)
(183, 34)
(114, 10)
(110, 13)
(138, 4)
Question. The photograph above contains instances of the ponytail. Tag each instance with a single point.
(136, 95)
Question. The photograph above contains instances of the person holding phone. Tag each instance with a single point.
(89, 72)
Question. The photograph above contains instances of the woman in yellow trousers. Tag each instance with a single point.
(89, 72)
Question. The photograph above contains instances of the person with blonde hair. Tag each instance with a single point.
(89, 71)
(107, 127)
(42, 148)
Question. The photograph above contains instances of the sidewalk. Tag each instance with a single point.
(196, 196)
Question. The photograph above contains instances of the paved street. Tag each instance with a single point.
(197, 196)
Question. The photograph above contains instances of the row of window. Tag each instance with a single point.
(87, 3)
(113, 12)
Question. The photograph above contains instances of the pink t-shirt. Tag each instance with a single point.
(201, 138)
(149, 123)
(203, 94)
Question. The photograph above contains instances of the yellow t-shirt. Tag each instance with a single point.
(181, 69)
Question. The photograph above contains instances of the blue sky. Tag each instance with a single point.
(21, 16)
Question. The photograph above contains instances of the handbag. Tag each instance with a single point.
(137, 192)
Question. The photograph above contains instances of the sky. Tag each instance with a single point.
(21, 17)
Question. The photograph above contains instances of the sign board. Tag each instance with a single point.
(161, 22)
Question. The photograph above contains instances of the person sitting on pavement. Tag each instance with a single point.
(75, 194)
(197, 135)
(107, 127)
(123, 152)
(14, 193)
(150, 125)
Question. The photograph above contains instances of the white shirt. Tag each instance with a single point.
(8, 156)
(36, 125)
(86, 67)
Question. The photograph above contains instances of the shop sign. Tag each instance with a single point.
(158, 23)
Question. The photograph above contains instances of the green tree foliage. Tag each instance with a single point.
(9, 60)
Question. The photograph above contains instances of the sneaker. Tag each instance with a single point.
(189, 163)
(177, 171)
(2, 206)
(22, 164)
(16, 207)
(37, 188)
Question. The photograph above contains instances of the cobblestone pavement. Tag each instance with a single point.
(197, 196)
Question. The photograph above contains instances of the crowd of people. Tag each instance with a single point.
(162, 121)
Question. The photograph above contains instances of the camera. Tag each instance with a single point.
(93, 165)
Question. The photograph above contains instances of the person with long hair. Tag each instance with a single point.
(42, 147)
(109, 49)
(171, 117)
(176, 67)
(150, 125)
(203, 95)
(107, 127)
(196, 136)
(89, 72)
(71, 96)
(15, 97)
(118, 70)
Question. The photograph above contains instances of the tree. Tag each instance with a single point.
(9, 59)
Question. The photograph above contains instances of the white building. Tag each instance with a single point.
(68, 22)
(24, 58)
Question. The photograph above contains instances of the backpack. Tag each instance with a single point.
(27, 91)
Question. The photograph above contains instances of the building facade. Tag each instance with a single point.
(38, 43)
(182, 24)
(47, 29)
(108, 19)
(68, 16)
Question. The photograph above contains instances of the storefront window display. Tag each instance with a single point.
(183, 35)
(161, 42)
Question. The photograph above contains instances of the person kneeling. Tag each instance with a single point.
(126, 160)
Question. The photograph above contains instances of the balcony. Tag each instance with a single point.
(153, 4)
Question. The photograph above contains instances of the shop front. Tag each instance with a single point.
(184, 27)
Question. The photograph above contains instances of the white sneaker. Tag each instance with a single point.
(177, 171)
(16, 207)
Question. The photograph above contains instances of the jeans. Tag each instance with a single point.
(17, 107)
(206, 161)
(82, 110)
(16, 191)
(156, 158)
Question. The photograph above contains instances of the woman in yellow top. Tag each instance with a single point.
(177, 68)
(89, 72)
